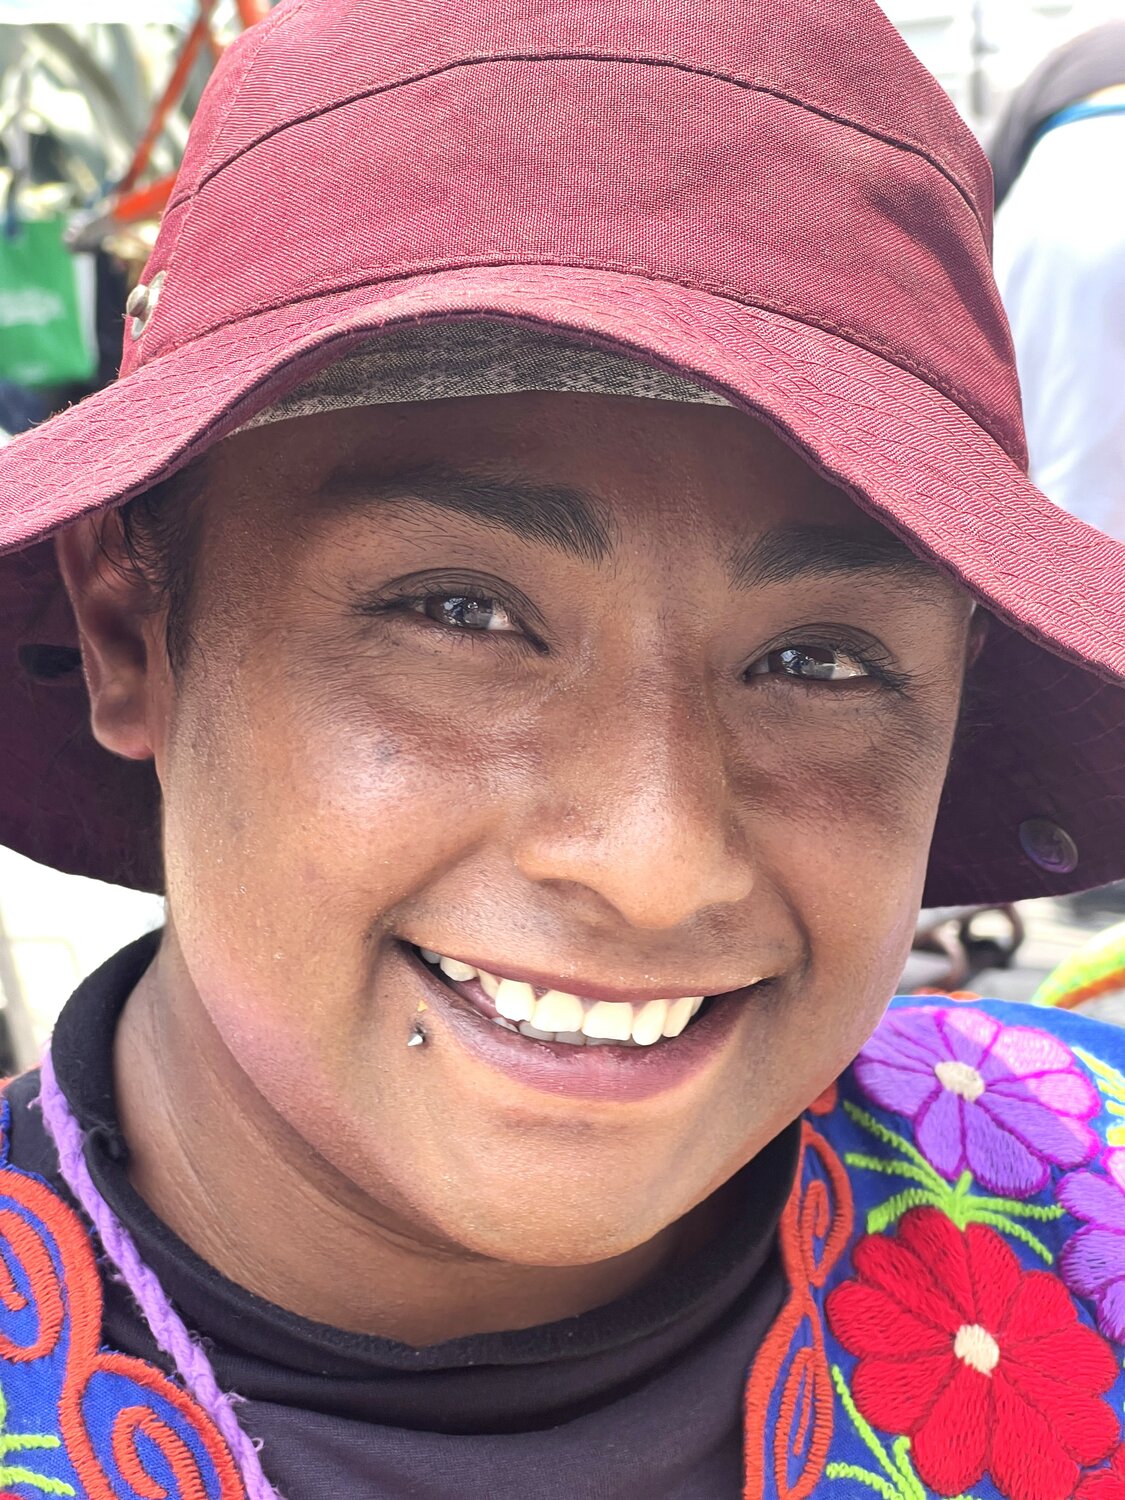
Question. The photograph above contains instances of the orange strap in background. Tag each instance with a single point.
(131, 204)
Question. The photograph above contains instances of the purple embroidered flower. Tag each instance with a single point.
(1003, 1102)
(1093, 1259)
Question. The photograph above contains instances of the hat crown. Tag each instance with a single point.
(844, 59)
(788, 155)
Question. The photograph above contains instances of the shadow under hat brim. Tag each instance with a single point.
(1035, 799)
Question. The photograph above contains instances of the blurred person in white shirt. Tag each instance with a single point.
(1059, 160)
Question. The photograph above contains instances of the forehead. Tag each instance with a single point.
(624, 455)
(591, 476)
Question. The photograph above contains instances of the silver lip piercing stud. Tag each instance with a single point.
(417, 1036)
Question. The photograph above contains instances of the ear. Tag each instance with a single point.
(122, 655)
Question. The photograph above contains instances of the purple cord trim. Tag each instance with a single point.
(167, 1326)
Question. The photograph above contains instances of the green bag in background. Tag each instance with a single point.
(46, 307)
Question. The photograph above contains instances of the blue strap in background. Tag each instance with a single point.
(1089, 110)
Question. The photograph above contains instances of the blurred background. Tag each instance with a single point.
(95, 101)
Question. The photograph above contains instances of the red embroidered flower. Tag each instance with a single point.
(1106, 1484)
(983, 1365)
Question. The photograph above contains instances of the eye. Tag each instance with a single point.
(809, 664)
(465, 612)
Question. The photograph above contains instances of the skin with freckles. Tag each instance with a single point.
(682, 726)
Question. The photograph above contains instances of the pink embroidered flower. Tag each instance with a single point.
(1002, 1102)
(1105, 1484)
(1093, 1259)
(984, 1366)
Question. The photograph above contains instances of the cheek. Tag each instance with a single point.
(853, 803)
(294, 821)
(842, 827)
(295, 784)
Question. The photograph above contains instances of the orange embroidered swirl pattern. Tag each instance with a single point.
(126, 1430)
(789, 1395)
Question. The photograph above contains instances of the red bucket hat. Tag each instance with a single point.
(770, 197)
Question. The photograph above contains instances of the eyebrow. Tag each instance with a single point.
(801, 550)
(573, 522)
(563, 518)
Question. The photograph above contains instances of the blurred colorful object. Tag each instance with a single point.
(1096, 970)
(56, 12)
(47, 335)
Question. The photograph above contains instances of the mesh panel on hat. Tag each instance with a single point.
(477, 357)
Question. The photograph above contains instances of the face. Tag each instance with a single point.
(607, 704)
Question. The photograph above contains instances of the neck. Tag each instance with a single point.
(225, 1173)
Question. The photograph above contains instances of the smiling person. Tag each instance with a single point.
(553, 588)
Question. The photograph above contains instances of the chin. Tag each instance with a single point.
(537, 1233)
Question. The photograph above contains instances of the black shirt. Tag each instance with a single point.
(637, 1400)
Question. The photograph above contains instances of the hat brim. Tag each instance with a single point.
(1044, 735)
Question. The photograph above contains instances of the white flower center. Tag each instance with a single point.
(960, 1078)
(976, 1346)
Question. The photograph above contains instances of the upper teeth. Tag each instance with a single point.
(558, 1016)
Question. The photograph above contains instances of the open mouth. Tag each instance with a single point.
(551, 1015)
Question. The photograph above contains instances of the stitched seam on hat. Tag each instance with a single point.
(267, 29)
(871, 342)
(914, 147)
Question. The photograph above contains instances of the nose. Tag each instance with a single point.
(637, 807)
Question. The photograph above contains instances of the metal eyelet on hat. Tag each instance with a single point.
(1048, 846)
(142, 303)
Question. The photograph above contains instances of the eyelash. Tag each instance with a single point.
(876, 671)
(411, 603)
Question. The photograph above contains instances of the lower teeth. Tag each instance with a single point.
(567, 1038)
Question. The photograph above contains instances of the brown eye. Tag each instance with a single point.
(466, 612)
(809, 664)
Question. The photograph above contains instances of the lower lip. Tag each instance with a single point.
(606, 1073)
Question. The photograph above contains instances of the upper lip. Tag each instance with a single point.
(587, 989)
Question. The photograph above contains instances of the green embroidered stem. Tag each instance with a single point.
(902, 1482)
(891, 1168)
(1018, 1232)
(901, 1451)
(956, 1201)
(892, 1210)
(15, 1442)
(20, 1442)
(1045, 1213)
(889, 1137)
(863, 1476)
(861, 1425)
(34, 1481)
